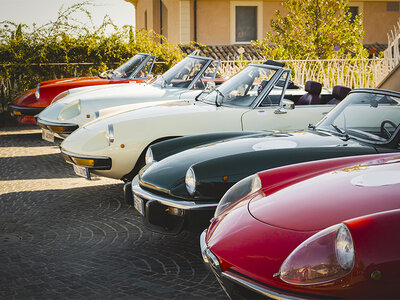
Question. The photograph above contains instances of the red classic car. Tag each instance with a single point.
(32, 102)
(323, 229)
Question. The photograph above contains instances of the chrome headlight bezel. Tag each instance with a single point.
(37, 92)
(190, 181)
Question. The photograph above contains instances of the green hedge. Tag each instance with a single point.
(25, 52)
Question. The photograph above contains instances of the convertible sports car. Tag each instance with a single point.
(77, 107)
(319, 230)
(115, 146)
(32, 102)
(186, 177)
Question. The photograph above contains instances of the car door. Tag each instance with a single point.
(269, 114)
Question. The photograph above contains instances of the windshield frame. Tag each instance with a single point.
(142, 65)
(267, 89)
(139, 67)
(390, 142)
(194, 80)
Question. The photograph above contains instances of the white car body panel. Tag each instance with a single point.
(138, 128)
(102, 97)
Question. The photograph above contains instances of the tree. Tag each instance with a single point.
(317, 29)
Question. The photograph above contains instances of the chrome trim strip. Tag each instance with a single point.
(48, 123)
(203, 246)
(182, 204)
(257, 287)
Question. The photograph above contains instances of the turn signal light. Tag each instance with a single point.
(175, 211)
(58, 128)
(84, 161)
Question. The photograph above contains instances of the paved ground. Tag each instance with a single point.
(62, 236)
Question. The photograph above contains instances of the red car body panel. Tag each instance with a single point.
(257, 234)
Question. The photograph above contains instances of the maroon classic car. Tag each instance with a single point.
(323, 229)
(32, 102)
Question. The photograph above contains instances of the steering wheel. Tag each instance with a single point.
(385, 133)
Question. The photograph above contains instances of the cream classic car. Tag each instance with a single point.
(76, 107)
(260, 97)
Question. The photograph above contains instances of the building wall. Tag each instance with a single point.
(378, 22)
(215, 21)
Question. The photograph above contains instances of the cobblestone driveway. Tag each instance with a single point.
(65, 237)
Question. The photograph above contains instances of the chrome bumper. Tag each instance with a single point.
(182, 204)
(100, 163)
(24, 110)
(212, 261)
(67, 127)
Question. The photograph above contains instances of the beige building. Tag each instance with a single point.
(222, 22)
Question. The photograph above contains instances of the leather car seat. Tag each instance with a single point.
(313, 89)
(339, 92)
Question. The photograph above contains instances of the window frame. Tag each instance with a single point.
(233, 5)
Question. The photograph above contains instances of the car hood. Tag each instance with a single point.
(113, 93)
(70, 80)
(331, 198)
(239, 157)
(167, 109)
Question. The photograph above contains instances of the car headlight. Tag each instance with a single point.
(110, 134)
(244, 187)
(60, 96)
(70, 111)
(325, 256)
(190, 181)
(149, 156)
(37, 92)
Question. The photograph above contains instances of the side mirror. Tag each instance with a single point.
(288, 104)
(285, 105)
(209, 86)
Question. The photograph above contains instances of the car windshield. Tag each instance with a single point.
(364, 115)
(182, 74)
(126, 70)
(243, 88)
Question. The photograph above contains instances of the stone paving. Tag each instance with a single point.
(62, 236)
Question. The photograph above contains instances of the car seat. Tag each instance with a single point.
(313, 89)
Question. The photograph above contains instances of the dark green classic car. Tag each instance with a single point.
(185, 178)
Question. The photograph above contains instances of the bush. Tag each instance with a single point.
(29, 55)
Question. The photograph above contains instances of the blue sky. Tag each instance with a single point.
(42, 11)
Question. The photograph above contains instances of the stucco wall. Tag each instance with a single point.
(173, 20)
(214, 19)
(378, 22)
(213, 22)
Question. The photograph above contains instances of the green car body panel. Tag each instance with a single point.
(236, 159)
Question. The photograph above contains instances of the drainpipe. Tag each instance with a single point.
(195, 19)
(161, 29)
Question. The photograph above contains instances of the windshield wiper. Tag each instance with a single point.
(341, 131)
